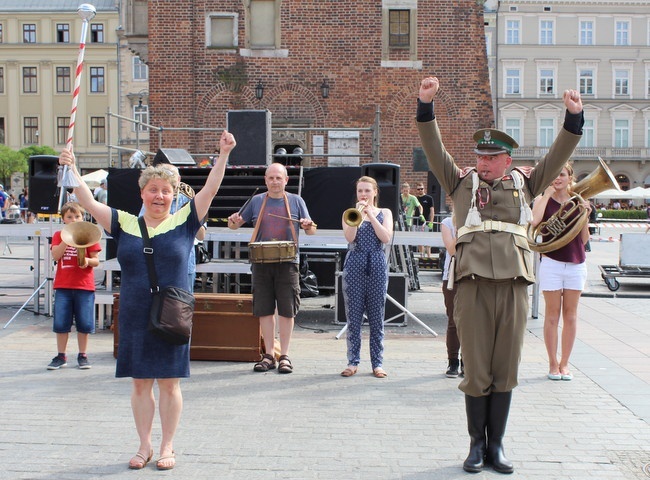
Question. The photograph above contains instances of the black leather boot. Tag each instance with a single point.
(477, 411)
(499, 407)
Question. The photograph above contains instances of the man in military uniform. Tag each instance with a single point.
(493, 263)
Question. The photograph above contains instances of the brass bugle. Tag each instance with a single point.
(81, 235)
(353, 216)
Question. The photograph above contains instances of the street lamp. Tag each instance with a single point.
(325, 89)
(259, 90)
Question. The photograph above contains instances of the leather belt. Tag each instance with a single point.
(492, 226)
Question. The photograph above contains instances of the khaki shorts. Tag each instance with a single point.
(276, 285)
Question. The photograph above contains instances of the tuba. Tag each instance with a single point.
(81, 235)
(353, 216)
(565, 224)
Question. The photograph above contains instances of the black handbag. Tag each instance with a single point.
(201, 254)
(172, 308)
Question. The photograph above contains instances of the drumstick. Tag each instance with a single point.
(287, 218)
(249, 199)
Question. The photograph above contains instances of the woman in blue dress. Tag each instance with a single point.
(365, 276)
(141, 355)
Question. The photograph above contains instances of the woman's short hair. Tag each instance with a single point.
(162, 171)
(372, 182)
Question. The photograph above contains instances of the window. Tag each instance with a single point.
(546, 132)
(1, 40)
(586, 81)
(140, 114)
(647, 82)
(62, 33)
(588, 134)
(621, 82)
(222, 31)
(262, 32)
(96, 33)
(63, 80)
(30, 80)
(29, 33)
(513, 128)
(513, 80)
(97, 79)
(512, 32)
(647, 133)
(97, 129)
(622, 32)
(546, 77)
(399, 28)
(2, 80)
(546, 32)
(621, 133)
(30, 128)
(62, 126)
(140, 69)
(586, 32)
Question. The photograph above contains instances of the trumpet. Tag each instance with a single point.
(81, 235)
(353, 216)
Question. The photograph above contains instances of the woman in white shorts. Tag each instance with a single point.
(562, 275)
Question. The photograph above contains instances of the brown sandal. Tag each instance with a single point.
(379, 373)
(284, 364)
(267, 363)
(349, 371)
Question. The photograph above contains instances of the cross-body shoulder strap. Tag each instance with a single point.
(148, 255)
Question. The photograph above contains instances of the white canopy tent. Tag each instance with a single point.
(637, 193)
(92, 179)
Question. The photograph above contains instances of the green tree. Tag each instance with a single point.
(11, 162)
(37, 150)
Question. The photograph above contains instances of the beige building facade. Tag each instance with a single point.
(538, 49)
(39, 50)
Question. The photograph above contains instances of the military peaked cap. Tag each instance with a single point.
(490, 141)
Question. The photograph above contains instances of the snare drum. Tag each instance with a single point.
(271, 252)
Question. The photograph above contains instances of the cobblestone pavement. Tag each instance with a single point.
(314, 424)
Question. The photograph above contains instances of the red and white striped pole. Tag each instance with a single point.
(87, 12)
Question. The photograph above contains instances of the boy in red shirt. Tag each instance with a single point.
(74, 295)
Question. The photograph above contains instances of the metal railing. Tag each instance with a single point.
(139, 126)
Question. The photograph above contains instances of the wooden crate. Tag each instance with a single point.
(224, 328)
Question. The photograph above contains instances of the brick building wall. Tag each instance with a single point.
(194, 86)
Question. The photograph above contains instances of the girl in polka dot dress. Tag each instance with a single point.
(365, 276)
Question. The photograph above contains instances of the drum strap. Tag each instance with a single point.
(259, 220)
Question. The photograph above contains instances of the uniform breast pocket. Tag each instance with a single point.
(511, 196)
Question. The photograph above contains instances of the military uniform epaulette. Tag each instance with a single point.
(466, 171)
(525, 171)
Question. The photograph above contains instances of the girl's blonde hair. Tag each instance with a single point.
(372, 182)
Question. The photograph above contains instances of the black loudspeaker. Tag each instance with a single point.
(175, 156)
(387, 177)
(43, 189)
(123, 189)
(252, 131)
(123, 194)
(328, 192)
(396, 289)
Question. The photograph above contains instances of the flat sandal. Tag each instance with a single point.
(267, 363)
